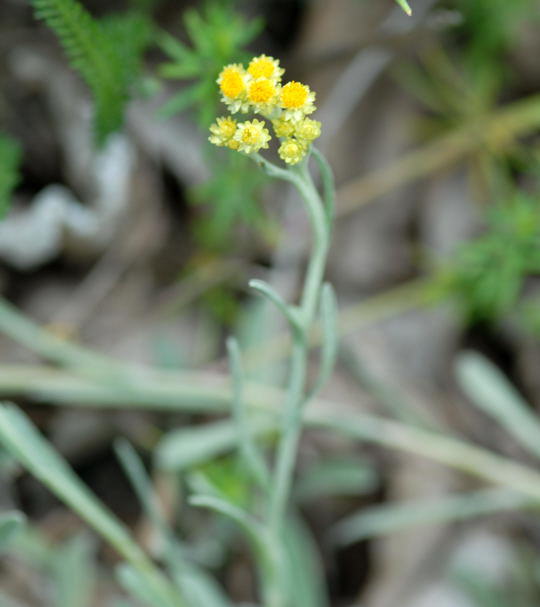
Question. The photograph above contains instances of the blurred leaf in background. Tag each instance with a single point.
(489, 272)
(217, 35)
(490, 28)
(106, 54)
(461, 77)
(519, 587)
(10, 158)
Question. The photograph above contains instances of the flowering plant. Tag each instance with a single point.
(259, 90)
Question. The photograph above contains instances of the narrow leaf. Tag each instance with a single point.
(200, 589)
(138, 477)
(195, 445)
(180, 102)
(10, 158)
(330, 333)
(11, 523)
(489, 390)
(329, 190)
(74, 573)
(267, 291)
(383, 520)
(305, 571)
(236, 514)
(336, 477)
(250, 452)
(405, 6)
(21, 438)
(130, 579)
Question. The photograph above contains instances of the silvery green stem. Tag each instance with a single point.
(320, 216)
(295, 402)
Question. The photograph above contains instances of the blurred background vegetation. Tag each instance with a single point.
(127, 240)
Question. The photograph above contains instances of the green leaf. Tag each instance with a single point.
(181, 101)
(106, 55)
(252, 457)
(21, 438)
(330, 332)
(179, 71)
(249, 31)
(131, 580)
(11, 524)
(405, 6)
(289, 312)
(187, 447)
(242, 518)
(175, 49)
(198, 32)
(329, 190)
(336, 477)
(383, 520)
(10, 158)
(489, 390)
(305, 571)
(74, 572)
(200, 589)
(138, 477)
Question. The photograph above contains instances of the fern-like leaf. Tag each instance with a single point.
(106, 55)
(10, 157)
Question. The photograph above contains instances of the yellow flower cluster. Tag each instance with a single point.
(258, 89)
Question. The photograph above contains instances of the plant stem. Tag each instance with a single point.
(292, 416)
(296, 400)
(290, 436)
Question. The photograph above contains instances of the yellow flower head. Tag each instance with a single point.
(283, 128)
(223, 131)
(291, 151)
(297, 100)
(294, 95)
(252, 136)
(262, 93)
(265, 67)
(232, 81)
(308, 129)
(232, 84)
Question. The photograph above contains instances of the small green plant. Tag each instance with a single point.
(489, 273)
(106, 54)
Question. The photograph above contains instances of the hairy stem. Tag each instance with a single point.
(296, 399)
